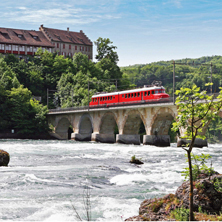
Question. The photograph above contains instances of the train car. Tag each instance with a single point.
(134, 96)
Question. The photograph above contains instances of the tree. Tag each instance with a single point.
(106, 50)
(195, 110)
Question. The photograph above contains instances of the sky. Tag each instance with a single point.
(143, 31)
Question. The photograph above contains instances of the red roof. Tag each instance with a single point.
(24, 37)
(66, 36)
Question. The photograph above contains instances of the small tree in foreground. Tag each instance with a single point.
(195, 110)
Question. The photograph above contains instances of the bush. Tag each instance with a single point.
(180, 214)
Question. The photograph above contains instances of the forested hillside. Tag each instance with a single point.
(192, 71)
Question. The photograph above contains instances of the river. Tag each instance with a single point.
(45, 179)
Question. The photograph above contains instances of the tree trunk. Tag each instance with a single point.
(191, 216)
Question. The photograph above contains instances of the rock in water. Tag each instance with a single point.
(4, 158)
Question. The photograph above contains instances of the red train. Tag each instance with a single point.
(134, 96)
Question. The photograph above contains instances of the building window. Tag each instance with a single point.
(57, 45)
(80, 48)
(75, 47)
(69, 46)
(64, 46)
(2, 46)
(22, 48)
(15, 47)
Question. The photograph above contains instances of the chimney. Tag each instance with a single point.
(81, 31)
(68, 29)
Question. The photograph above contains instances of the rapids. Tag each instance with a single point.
(45, 179)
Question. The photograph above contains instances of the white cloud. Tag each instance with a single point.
(58, 15)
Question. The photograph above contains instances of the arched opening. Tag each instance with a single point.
(70, 131)
(162, 124)
(142, 131)
(108, 124)
(85, 126)
(133, 124)
(108, 129)
(62, 128)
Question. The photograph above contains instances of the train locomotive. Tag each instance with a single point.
(147, 94)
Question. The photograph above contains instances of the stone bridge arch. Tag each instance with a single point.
(85, 128)
(161, 121)
(157, 132)
(130, 127)
(62, 127)
(107, 126)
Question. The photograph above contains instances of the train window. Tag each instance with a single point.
(129, 95)
(163, 91)
(148, 93)
(108, 97)
(138, 94)
(134, 94)
(152, 92)
(101, 99)
(125, 95)
(105, 98)
(145, 93)
(156, 91)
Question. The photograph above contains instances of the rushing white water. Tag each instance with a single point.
(45, 178)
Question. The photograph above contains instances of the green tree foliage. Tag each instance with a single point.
(196, 71)
(106, 50)
(26, 116)
(195, 110)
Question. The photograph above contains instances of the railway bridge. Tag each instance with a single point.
(116, 124)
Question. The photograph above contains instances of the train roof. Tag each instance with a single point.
(128, 91)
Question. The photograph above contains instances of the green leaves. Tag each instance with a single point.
(196, 109)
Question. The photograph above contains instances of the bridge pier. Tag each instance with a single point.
(156, 140)
(128, 139)
(103, 138)
(197, 143)
(81, 137)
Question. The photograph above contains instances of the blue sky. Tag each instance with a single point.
(144, 31)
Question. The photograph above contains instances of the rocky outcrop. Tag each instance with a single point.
(4, 158)
(207, 198)
(206, 195)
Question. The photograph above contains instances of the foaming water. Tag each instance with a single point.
(45, 179)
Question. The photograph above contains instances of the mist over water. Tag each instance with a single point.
(45, 178)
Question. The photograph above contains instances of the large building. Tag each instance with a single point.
(26, 42)
(68, 43)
